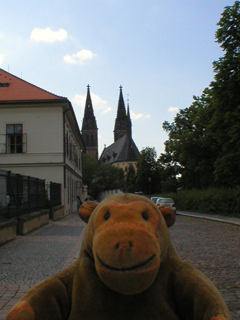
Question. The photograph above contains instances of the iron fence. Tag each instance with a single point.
(53, 193)
(4, 199)
(24, 194)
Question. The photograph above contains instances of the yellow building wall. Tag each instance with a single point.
(125, 166)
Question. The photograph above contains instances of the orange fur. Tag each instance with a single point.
(21, 311)
(127, 269)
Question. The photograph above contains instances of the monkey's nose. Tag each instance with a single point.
(127, 244)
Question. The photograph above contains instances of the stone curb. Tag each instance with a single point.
(218, 218)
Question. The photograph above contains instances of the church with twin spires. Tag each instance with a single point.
(123, 152)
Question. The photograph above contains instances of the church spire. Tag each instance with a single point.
(121, 112)
(120, 128)
(89, 118)
(128, 121)
(89, 127)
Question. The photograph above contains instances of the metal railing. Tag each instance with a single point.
(53, 193)
(24, 194)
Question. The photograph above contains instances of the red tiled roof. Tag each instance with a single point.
(15, 89)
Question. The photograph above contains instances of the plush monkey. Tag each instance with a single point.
(127, 269)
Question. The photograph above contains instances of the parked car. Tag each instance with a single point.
(140, 193)
(154, 199)
(167, 202)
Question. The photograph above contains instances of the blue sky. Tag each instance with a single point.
(161, 52)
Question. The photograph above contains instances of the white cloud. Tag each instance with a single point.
(79, 100)
(98, 103)
(79, 57)
(137, 116)
(47, 35)
(1, 59)
(173, 109)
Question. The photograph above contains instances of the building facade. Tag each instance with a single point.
(40, 137)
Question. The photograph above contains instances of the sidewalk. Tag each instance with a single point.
(225, 219)
(36, 256)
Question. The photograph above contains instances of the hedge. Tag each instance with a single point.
(211, 201)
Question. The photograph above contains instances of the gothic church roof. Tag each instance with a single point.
(122, 150)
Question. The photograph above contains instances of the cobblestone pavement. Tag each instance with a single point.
(210, 246)
(34, 257)
(213, 248)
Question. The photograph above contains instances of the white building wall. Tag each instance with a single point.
(44, 129)
(49, 173)
(73, 160)
(44, 157)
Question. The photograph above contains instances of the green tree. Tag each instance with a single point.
(147, 179)
(228, 34)
(108, 178)
(189, 149)
(99, 177)
(90, 172)
(225, 122)
(204, 139)
(168, 173)
(131, 179)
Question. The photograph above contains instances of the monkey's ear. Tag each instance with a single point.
(86, 210)
(168, 214)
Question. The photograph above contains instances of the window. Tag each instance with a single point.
(66, 144)
(72, 152)
(4, 84)
(76, 159)
(3, 143)
(16, 140)
(68, 189)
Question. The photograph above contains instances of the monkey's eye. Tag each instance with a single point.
(145, 216)
(106, 215)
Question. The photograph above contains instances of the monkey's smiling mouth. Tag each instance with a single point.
(127, 269)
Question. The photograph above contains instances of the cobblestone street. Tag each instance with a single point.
(210, 246)
(32, 258)
(213, 248)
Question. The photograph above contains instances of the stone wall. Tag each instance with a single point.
(27, 223)
(57, 213)
(8, 231)
(32, 221)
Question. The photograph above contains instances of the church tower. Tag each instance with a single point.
(89, 128)
(123, 124)
(123, 152)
